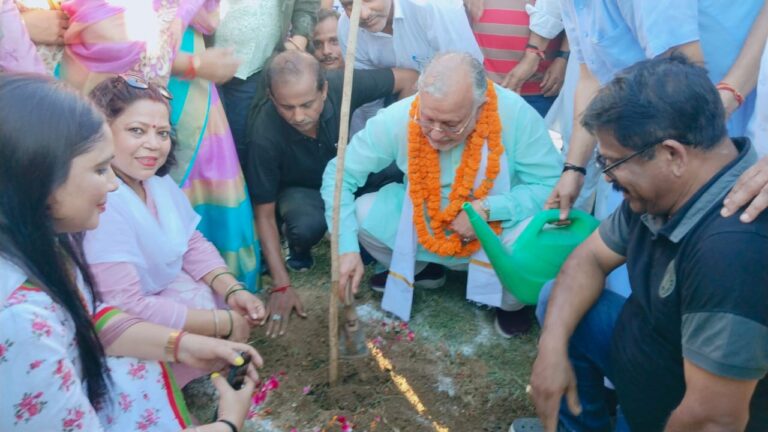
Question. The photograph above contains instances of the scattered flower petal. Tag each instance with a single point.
(411, 336)
(306, 390)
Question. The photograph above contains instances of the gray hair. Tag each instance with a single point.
(439, 76)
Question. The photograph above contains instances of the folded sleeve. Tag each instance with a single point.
(724, 304)
(119, 284)
(201, 257)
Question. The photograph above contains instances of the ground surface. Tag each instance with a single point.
(465, 376)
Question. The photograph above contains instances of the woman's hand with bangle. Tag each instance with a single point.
(233, 404)
(240, 331)
(246, 304)
(207, 353)
(282, 301)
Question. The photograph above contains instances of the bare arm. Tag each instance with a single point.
(580, 147)
(281, 303)
(527, 65)
(743, 73)
(405, 81)
(269, 236)
(711, 402)
(576, 289)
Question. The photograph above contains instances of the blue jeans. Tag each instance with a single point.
(540, 103)
(589, 352)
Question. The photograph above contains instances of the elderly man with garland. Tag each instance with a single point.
(461, 138)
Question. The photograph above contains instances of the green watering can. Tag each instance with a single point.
(537, 254)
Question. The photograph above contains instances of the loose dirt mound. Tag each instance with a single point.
(465, 376)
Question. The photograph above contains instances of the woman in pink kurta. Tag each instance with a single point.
(147, 256)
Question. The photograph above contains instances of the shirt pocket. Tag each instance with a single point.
(616, 45)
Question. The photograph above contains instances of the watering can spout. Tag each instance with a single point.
(491, 243)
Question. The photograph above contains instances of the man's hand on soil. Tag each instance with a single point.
(279, 308)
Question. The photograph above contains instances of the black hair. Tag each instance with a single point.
(323, 14)
(114, 95)
(44, 125)
(290, 65)
(659, 99)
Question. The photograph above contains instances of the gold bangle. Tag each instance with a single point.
(231, 289)
(215, 323)
(219, 274)
(170, 345)
(226, 297)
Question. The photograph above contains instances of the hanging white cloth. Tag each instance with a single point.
(483, 285)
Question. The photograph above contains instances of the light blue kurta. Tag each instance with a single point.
(534, 168)
(611, 35)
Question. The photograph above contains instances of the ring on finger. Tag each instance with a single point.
(276, 317)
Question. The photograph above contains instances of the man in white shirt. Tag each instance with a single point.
(408, 33)
(404, 34)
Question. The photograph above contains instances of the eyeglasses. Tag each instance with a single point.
(430, 126)
(606, 168)
(138, 82)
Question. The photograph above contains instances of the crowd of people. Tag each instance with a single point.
(158, 157)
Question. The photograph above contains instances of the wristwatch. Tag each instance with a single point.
(485, 208)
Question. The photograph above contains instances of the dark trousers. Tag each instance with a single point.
(540, 103)
(238, 96)
(302, 213)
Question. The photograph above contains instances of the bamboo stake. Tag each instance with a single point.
(333, 314)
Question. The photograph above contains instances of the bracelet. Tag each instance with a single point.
(278, 289)
(727, 87)
(176, 346)
(226, 297)
(213, 281)
(215, 323)
(531, 48)
(231, 288)
(231, 425)
(291, 41)
(191, 71)
(571, 167)
(563, 54)
(231, 324)
(170, 345)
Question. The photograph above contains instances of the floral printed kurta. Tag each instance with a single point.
(41, 387)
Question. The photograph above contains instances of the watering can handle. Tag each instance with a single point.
(547, 217)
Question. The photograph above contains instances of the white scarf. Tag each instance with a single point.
(483, 285)
(129, 232)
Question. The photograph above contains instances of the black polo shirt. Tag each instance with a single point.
(280, 156)
(700, 292)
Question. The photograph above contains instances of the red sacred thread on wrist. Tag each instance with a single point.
(729, 88)
(535, 50)
(191, 71)
(279, 289)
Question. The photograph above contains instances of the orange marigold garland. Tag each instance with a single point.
(424, 180)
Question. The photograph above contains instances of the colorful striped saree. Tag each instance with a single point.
(143, 36)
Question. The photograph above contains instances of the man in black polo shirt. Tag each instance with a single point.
(290, 141)
(689, 350)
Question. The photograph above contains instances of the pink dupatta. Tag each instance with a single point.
(99, 42)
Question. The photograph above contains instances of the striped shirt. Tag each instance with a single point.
(502, 34)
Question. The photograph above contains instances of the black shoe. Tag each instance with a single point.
(433, 276)
(299, 261)
(513, 323)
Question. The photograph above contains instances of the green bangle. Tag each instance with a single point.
(231, 324)
(219, 274)
(226, 297)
